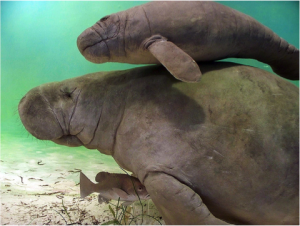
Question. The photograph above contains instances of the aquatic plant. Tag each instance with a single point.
(124, 216)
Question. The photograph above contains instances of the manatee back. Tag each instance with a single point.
(250, 146)
(233, 137)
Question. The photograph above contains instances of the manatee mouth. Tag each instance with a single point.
(68, 140)
(38, 117)
(93, 42)
(93, 47)
(42, 122)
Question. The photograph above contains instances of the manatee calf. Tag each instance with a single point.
(222, 150)
(176, 34)
(114, 186)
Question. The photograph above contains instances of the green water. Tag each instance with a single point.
(30, 164)
(38, 45)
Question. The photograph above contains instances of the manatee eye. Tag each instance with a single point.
(104, 18)
(67, 92)
(140, 188)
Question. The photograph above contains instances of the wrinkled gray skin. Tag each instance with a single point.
(204, 30)
(223, 150)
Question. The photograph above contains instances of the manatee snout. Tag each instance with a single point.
(100, 42)
(37, 116)
(92, 46)
(46, 112)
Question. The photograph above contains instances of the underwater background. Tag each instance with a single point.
(38, 45)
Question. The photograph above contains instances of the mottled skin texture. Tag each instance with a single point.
(224, 149)
(204, 30)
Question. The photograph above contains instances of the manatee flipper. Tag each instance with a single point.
(178, 203)
(177, 62)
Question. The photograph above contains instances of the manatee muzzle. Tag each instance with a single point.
(38, 117)
(93, 43)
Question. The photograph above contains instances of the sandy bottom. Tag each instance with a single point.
(50, 210)
(40, 185)
(59, 204)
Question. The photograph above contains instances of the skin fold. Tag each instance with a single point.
(225, 150)
(176, 34)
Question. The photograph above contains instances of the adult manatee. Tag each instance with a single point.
(223, 150)
(176, 34)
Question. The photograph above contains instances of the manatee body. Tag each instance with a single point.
(176, 34)
(225, 150)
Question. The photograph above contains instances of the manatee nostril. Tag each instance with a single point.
(104, 18)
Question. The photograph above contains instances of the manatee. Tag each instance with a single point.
(114, 186)
(224, 150)
(176, 34)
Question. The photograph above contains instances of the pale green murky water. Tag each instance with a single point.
(38, 45)
(34, 166)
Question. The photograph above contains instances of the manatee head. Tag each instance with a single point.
(117, 38)
(103, 41)
(59, 111)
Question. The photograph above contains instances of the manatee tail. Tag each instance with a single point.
(264, 45)
(287, 63)
(86, 186)
(280, 55)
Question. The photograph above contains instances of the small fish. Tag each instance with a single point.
(113, 186)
